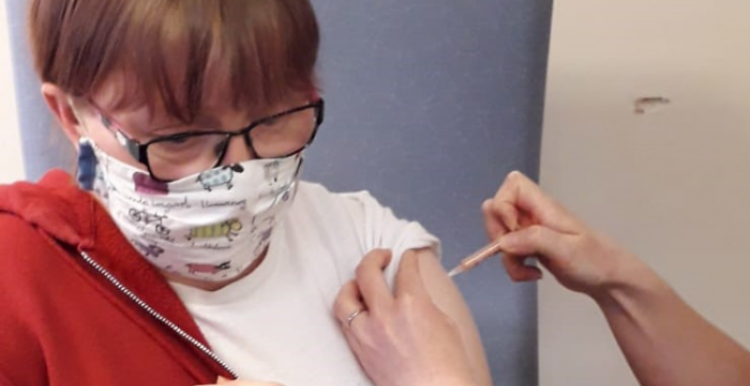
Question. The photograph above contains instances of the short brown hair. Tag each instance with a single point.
(265, 49)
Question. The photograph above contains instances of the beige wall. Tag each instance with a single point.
(672, 184)
(11, 163)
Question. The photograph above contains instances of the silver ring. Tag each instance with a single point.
(352, 316)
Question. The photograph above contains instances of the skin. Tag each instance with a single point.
(663, 339)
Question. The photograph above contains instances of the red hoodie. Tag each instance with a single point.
(62, 319)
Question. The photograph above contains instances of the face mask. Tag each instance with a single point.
(210, 226)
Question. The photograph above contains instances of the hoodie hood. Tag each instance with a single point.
(74, 219)
(55, 206)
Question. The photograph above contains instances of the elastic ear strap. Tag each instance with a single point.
(86, 165)
(73, 108)
(81, 122)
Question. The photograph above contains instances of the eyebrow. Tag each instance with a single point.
(201, 122)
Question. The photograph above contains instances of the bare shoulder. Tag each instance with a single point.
(448, 298)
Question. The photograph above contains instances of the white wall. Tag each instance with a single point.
(672, 185)
(11, 162)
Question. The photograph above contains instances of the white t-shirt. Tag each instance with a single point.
(277, 324)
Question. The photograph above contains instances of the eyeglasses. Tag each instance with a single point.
(175, 156)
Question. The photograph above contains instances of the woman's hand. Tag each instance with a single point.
(401, 338)
(531, 224)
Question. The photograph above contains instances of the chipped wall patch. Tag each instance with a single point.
(651, 104)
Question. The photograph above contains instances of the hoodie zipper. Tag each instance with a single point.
(155, 314)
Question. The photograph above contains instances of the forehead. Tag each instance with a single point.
(215, 110)
(124, 92)
(247, 55)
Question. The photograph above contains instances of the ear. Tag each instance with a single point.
(58, 102)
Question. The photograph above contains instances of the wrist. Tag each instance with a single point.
(629, 280)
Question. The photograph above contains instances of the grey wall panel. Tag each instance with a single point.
(44, 145)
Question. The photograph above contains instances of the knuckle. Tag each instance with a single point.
(337, 305)
(338, 308)
(536, 232)
(380, 254)
(344, 291)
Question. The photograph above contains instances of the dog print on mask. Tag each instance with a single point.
(218, 177)
(151, 250)
(146, 218)
(229, 229)
(208, 268)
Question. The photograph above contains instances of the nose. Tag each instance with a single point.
(238, 150)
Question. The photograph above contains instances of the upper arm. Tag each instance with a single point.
(448, 299)
(378, 227)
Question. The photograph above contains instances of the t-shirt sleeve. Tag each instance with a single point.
(378, 228)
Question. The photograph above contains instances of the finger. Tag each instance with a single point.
(492, 224)
(409, 278)
(525, 220)
(348, 301)
(519, 192)
(518, 271)
(371, 281)
(222, 380)
(506, 213)
(535, 240)
(353, 342)
(504, 206)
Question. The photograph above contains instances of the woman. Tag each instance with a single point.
(403, 339)
(187, 248)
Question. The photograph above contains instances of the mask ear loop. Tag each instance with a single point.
(87, 161)
(299, 165)
(86, 167)
(297, 173)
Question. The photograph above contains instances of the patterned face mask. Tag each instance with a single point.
(210, 226)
